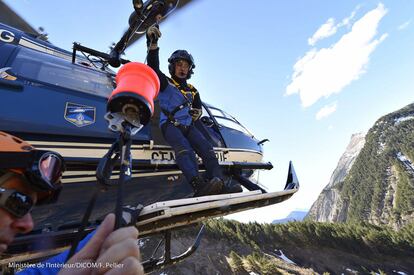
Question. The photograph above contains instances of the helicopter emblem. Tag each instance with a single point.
(80, 115)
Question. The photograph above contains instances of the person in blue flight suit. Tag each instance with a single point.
(181, 106)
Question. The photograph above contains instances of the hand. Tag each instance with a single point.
(195, 113)
(114, 252)
(153, 33)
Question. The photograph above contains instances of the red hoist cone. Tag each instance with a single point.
(137, 85)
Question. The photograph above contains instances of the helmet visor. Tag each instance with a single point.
(50, 168)
(45, 171)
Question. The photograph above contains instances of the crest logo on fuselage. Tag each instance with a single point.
(80, 115)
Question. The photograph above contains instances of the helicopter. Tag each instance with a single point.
(71, 91)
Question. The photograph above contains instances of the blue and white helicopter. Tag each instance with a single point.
(70, 91)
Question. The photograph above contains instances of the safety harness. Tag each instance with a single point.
(192, 92)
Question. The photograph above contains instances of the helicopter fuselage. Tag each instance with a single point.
(55, 103)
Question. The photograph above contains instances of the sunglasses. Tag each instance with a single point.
(16, 203)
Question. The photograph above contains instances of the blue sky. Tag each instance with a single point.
(304, 74)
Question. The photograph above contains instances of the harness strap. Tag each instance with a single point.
(187, 103)
(171, 114)
(192, 90)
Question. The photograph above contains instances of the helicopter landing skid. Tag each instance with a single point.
(167, 215)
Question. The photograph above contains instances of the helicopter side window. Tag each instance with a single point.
(61, 72)
(216, 112)
(228, 121)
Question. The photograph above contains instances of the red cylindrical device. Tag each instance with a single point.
(137, 87)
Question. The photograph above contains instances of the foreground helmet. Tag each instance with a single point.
(41, 170)
(181, 55)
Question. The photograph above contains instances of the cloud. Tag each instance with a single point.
(324, 31)
(329, 29)
(323, 72)
(404, 25)
(326, 111)
(347, 21)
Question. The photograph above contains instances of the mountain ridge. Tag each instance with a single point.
(329, 205)
(378, 183)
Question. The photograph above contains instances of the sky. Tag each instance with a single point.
(304, 74)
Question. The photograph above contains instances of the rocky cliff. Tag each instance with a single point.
(376, 185)
(329, 206)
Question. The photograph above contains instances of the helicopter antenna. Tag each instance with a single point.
(88, 57)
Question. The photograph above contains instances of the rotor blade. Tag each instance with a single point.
(137, 36)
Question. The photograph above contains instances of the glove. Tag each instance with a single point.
(195, 113)
(153, 33)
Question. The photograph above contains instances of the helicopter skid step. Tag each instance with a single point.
(161, 216)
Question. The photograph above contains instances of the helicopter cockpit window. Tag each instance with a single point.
(216, 112)
(61, 72)
(226, 120)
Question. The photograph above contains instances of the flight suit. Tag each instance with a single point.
(179, 130)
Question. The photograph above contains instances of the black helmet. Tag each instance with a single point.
(184, 55)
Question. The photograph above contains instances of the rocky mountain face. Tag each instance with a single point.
(329, 206)
(376, 184)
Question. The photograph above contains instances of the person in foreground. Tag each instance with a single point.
(29, 177)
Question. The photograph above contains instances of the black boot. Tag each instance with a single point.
(201, 188)
(216, 181)
(232, 187)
